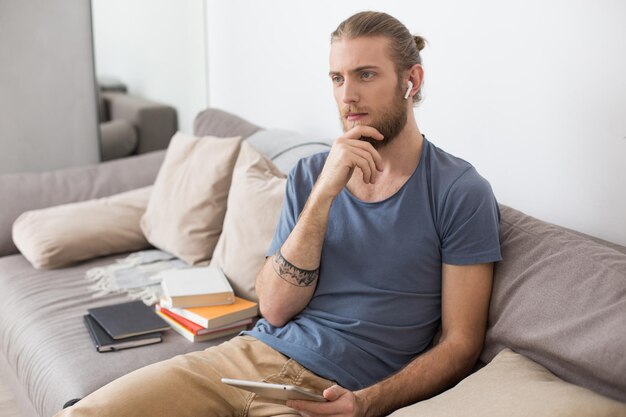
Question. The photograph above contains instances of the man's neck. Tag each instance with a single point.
(400, 159)
(401, 156)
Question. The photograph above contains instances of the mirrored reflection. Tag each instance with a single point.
(150, 61)
(131, 124)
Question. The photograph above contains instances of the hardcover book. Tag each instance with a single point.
(128, 319)
(105, 343)
(194, 287)
(216, 316)
(213, 334)
(196, 328)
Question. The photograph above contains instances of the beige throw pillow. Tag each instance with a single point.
(62, 235)
(186, 210)
(254, 202)
(514, 386)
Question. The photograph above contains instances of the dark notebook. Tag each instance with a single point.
(105, 343)
(128, 319)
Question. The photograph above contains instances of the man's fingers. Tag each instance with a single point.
(363, 130)
(367, 166)
(367, 147)
(334, 392)
(339, 402)
(317, 408)
(355, 156)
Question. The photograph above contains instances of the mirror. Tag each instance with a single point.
(150, 61)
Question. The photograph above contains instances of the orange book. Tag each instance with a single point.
(213, 334)
(196, 328)
(211, 317)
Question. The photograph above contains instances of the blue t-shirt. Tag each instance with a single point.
(378, 298)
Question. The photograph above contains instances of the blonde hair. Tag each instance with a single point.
(404, 47)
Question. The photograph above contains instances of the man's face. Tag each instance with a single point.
(366, 87)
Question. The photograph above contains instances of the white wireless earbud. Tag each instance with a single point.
(408, 90)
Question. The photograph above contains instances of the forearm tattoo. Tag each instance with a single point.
(292, 274)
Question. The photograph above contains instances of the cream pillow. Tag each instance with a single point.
(187, 206)
(514, 386)
(254, 202)
(62, 235)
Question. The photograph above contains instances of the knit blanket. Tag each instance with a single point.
(137, 275)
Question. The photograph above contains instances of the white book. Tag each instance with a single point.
(195, 287)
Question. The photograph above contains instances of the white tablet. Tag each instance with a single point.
(275, 391)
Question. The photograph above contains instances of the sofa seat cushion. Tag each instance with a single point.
(44, 341)
(514, 386)
(559, 298)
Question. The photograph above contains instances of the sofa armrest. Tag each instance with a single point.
(118, 139)
(30, 191)
(154, 122)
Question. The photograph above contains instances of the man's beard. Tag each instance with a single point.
(389, 124)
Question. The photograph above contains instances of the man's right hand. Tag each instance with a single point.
(350, 152)
(280, 290)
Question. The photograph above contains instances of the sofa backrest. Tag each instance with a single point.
(283, 147)
(216, 122)
(559, 298)
(30, 191)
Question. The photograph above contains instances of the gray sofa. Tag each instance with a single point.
(131, 125)
(559, 297)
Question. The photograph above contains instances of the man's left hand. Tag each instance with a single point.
(341, 402)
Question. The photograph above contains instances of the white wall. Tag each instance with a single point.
(157, 48)
(532, 93)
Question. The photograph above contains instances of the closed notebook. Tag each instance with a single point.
(216, 316)
(128, 319)
(105, 343)
(194, 287)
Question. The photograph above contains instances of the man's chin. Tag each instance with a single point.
(377, 144)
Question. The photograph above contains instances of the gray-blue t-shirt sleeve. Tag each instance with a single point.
(469, 221)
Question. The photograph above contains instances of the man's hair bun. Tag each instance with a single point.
(419, 42)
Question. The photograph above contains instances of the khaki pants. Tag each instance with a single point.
(189, 385)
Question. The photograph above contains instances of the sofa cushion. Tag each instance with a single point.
(44, 340)
(559, 298)
(254, 203)
(186, 209)
(285, 147)
(513, 385)
(62, 235)
(30, 191)
(215, 122)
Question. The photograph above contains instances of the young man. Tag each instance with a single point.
(380, 241)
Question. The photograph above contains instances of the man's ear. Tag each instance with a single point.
(416, 76)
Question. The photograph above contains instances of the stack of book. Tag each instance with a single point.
(122, 326)
(199, 303)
